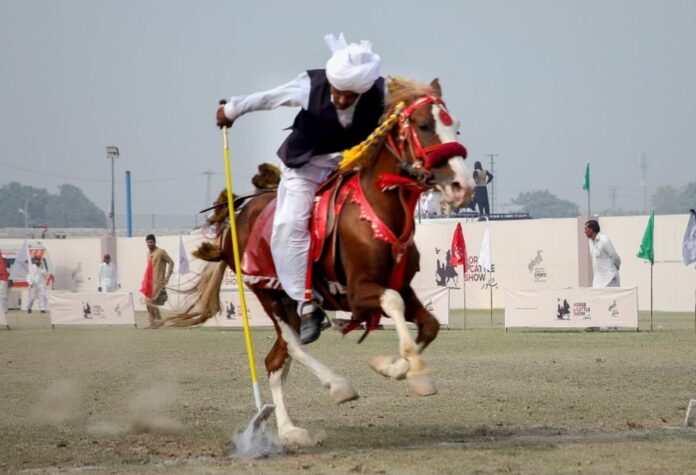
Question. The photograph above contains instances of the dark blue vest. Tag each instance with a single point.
(317, 130)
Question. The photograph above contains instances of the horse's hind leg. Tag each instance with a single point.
(288, 432)
(286, 347)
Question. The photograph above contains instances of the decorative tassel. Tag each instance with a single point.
(356, 156)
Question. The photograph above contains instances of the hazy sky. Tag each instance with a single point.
(544, 84)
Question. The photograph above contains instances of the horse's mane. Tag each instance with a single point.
(404, 90)
(399, 92)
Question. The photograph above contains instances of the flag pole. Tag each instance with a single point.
(464, 292)
(651, 296)
(490, 287)
(586, 186)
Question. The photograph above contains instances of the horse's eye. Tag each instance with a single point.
(425, 127)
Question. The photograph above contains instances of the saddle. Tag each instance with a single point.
(257, 261)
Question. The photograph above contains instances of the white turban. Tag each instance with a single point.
(352, 67)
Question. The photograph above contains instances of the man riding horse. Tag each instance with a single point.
(341, 105)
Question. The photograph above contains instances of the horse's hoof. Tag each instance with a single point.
(342, 391)
(422, 384)
(394, 367)
(297, 436)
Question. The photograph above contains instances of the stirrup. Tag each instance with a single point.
(311, 326)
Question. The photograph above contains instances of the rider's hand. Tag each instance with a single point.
(221, 119)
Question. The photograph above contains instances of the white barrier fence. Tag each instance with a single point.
(572, 308)
(67, 308)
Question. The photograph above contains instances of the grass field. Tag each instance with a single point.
(113, 400)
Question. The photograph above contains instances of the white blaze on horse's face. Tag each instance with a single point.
(454, 181)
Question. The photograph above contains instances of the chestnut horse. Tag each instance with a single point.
(371, 257)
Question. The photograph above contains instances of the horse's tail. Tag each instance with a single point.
(205, 292)
(209, 252)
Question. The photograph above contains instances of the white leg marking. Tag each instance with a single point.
(418, 375)
(340, 388)
(287, 431)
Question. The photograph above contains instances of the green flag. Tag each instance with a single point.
(647, 246)
(586, 183)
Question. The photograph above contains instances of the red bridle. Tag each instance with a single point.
(427, 157)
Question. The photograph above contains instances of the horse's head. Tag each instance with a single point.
(425, 140)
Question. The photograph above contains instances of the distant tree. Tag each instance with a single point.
(668, 199)
(70, 208)
(544, 204)
(16, 200)
(688, 197)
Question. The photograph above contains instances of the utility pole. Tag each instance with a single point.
(644, 181)
(208, 174)
(112, 153)
(492, 156)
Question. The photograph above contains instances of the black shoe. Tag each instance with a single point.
(310, 328)
(28, 310)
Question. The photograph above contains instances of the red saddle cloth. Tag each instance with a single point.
(257, 261)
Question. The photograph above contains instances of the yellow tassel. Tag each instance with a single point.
(358, 154)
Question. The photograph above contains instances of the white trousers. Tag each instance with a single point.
(38, 291)
(291, 237)
(108, 287)
(4, 294)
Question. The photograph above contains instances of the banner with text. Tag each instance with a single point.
(572, 308)
(67, 308)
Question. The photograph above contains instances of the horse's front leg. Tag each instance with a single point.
(410, 364)
(428, 326)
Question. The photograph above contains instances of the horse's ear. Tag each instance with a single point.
(435, 85)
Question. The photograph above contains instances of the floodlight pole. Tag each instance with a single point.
(112, 152)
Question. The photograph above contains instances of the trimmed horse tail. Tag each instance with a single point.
(206, 296)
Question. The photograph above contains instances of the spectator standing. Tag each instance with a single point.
(605, 260)
(482, 177)
(37, 284)
(157, 273)
(108, 277)
(4, 284)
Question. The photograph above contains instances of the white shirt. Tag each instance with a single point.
(37, 275)
(605, 262)
(292, 94)
(107, 275)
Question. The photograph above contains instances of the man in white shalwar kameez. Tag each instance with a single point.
(341, 105)
(108, 277)
(605, 260)
(37, 285)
